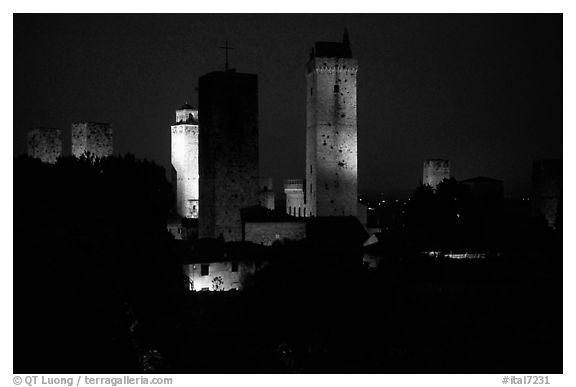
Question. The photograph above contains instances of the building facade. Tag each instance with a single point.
(434, 171)
(295, 198)
(44, 144)
(184, 157)
(228, 158)
(219, 275)
(331, 130)
(92, 137)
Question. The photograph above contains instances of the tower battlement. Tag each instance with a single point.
(187, 114)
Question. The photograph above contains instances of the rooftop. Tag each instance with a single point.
(333, 49)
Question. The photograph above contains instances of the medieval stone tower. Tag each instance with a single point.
(331, 130)
(92, 137)
(434, 171)
(228, 155)
(185, 161)
(44, 144)
(295, 199)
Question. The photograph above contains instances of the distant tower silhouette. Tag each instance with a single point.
(547, 190)
(331, 140)
(228, 152)
(45, 144)
(92, 137)
(185, 161)
(434, 171)
(267, 196)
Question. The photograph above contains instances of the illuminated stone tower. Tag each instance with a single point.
(228, 152)
(92, 137)
(44, 144)
(295, 200)
(185, 161)
(331, 139)
(434, 171)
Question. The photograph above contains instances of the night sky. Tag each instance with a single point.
(484, 91)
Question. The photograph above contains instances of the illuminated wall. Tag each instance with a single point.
(435, 170)
(331, 142)
(92, 137)
(295, 199)
(233, 275)
(44, 144)
(184, 158)
(228, 156)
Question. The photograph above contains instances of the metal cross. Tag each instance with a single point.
(226, 47)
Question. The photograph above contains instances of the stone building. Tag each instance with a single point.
(266, 227)
(547, 190)
(331, 130)
(228, 158)
(92, 137)
(295, 198)
(435, 170)
(216, 266)
(184, 157)
(44, 144)
(267, 196)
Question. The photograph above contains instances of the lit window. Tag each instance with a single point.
(204, 270)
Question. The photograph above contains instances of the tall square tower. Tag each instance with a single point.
(228, 158)
(44, 144)
(435, 171)
(92, 137)
(184, 157)
(331, 130)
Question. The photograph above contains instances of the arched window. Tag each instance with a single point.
(299, 212)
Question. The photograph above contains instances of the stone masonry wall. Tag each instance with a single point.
(184, 157)
(435, 170)
(331, 142)
(228, 159)
(45, 144)
(94, 138)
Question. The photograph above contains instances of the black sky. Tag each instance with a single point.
(484, 91)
